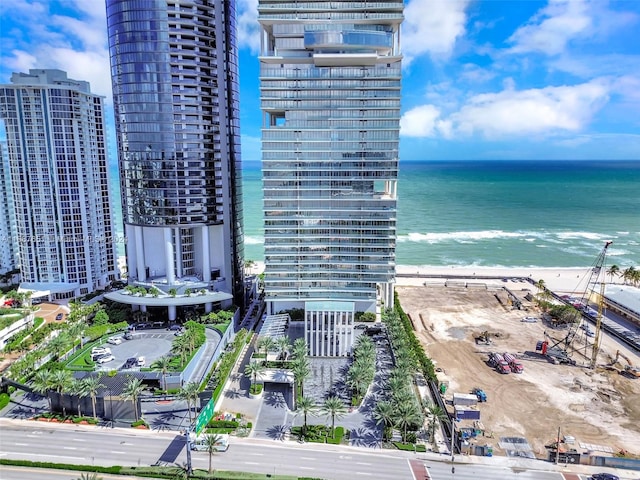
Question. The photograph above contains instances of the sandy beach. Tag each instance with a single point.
(562, 280)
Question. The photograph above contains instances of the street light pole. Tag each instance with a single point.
(453, 433)
(111, 407)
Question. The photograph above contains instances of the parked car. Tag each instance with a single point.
(361, 326)
(59, 317)
(529, 320)
(604, 476)
(130, 363)
(115, 340)
(128, 336)
(105, 358)
(175, 327)
(100, 350)
(141, 362)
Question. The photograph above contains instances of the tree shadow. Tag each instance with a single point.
(277, 432)
(275, 400)
(364, 437)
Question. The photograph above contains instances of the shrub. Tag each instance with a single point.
(256, 389)
(222, 424)
(409, 447)
(139, 423)
(4, 400)
(61, 466)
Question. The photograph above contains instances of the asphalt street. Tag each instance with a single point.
(101, 446)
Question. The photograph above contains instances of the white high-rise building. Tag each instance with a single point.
(330, 94)
(8, 237)
(176, 98)
(56, 144)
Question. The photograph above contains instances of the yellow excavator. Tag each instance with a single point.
(629, 369)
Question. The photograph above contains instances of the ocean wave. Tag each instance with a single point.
(584, 235)
(253, 240)
(460, 237)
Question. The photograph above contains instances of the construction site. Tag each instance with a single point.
(543, 380)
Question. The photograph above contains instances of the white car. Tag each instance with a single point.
(529, 320)
(105, 358)
(100, 350)
(141, 362)
(115, 340)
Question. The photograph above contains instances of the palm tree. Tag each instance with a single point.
(307, 406)
(628, 274)
(299, 349)
(77, 388)
(265, 342)
(406, 415)
(211, 442)
(132, 390)
(253, 370)
(283, 346)
(334, 408)
(301, 371)
(189, 392)
(91, 386)
(89, 476)
(438, 415)
(180, 347)
(383, 414)
(61, 380)
(614, 271)
(42, 384)
(57, 344)
(76, 330)
(162, 365)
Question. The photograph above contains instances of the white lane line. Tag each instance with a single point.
(116, 451)
(307, 458)
(252, 463)
(363, 473)
(22, 444)
(42, 455)
(257, 454)
(306, 468)
(70, 448)
(362, 463)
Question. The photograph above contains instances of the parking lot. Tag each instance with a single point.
(150, 344)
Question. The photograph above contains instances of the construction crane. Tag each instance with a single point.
(597, 270)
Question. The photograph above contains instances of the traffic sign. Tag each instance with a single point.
(205, 415)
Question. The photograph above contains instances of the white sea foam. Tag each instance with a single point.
(459, 237)
(253, 240)
(585, 235)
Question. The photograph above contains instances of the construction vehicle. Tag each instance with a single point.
(483, 338)
(514, 363)
(596, 272)
(480, 394)
(629, 369)
(497, 361)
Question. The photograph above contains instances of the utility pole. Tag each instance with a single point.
(189, 467)
(558, 447)
(453, 433)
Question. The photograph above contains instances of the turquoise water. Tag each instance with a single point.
(500, 213)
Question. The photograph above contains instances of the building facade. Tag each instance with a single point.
(175, 90)
(8, 237)
(57, 153)
(330, 96)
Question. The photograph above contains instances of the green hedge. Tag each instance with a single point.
(61, 466)
(223, 424)
(4, 400)
(410, 447)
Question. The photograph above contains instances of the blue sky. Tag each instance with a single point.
(485, 79)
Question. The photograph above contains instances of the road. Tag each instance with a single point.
(90, 446)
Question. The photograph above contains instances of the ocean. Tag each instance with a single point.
(498, 213)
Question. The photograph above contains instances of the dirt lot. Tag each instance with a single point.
(594, 406)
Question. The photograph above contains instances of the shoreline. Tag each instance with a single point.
(559, 279)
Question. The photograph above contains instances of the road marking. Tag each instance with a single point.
(22, 444)
(42, 455)
(307, 458)
(257, 454)
(252, 463)
(77, 440)
(362, 463)
(118, 452)
(70, 448)
(363, 473)
(306, 468)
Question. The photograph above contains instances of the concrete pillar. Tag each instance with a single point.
(176, 234)
(208, 307)
(206, 261)
(171, 312)
(169, 256)
(141, 272)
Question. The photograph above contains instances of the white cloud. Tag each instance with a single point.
(432, 27)
(424, 121)
(535, 111)
(512, 113)
(21, 61)
(248, 26)
(553, 27)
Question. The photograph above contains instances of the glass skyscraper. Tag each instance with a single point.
(330, 96)
(175, 91)
(58, 164)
